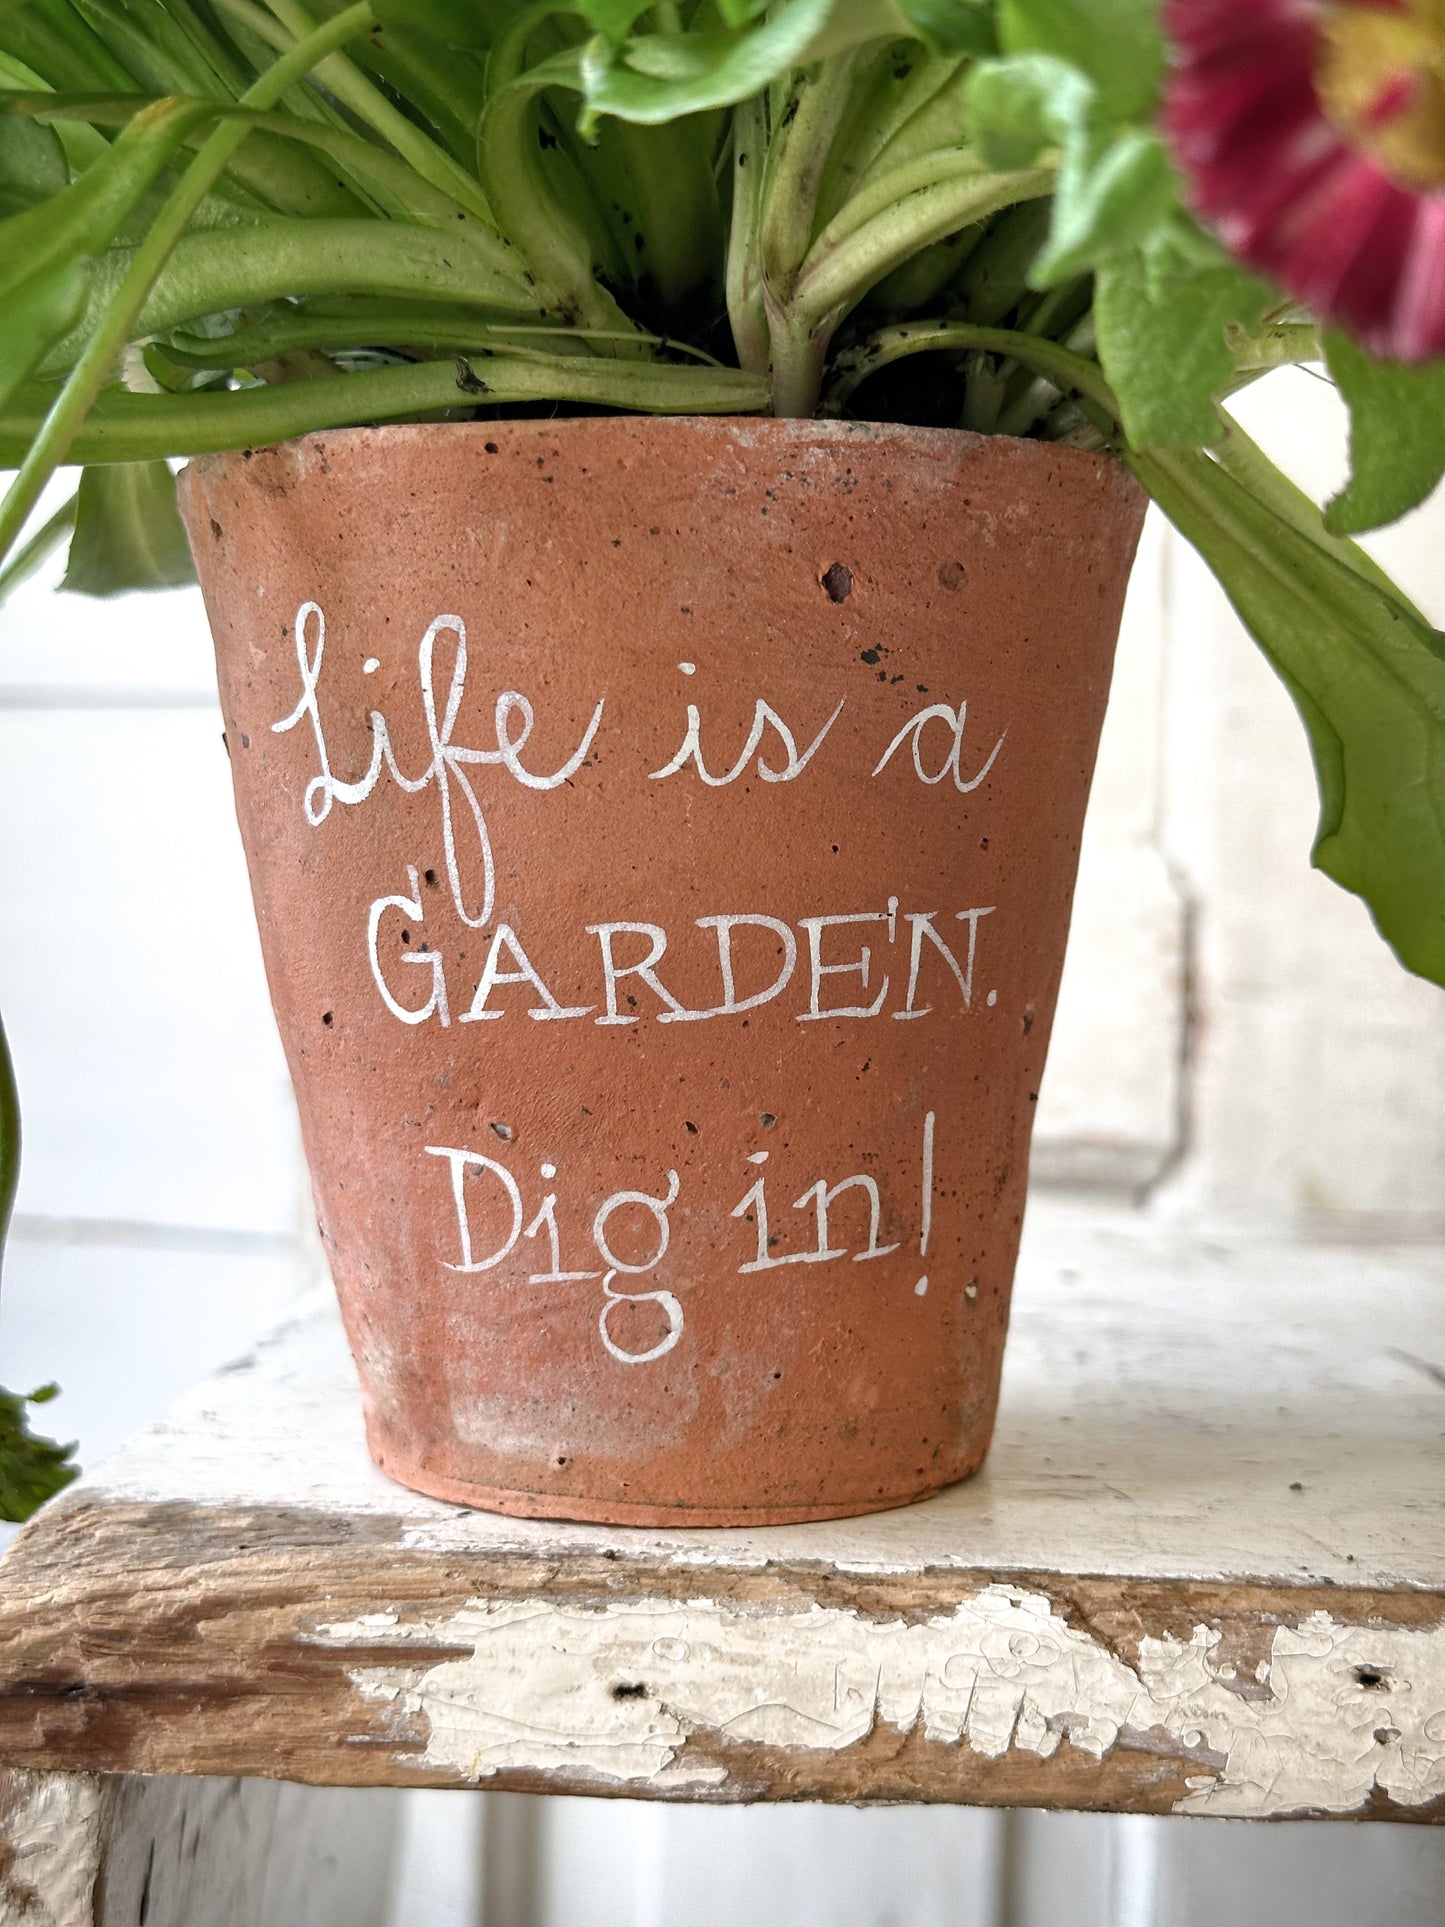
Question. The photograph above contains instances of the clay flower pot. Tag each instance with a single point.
(663, 835)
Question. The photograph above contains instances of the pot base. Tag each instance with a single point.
(579, 1509)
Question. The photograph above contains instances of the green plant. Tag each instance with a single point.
(235, 221)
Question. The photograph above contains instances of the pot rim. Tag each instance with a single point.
(815, 431)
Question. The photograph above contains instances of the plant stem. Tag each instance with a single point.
(885, 106)
(53, 436)
(391, 185)
(32, 556)
(550, 236)
(419, 199)
(1242, 457)
(1276, 346)
(937, 123)
(1209, 506)
(797, 158)
(746, 310)
(897, 186)
(842, 264)
(224, 268)
(798, 354)
(399, 329)
(368, 103)
(127, 428)
(849, 258)
(1068, 370)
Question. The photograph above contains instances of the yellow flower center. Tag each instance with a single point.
(1381, 82)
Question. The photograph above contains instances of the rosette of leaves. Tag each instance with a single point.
(228, 222)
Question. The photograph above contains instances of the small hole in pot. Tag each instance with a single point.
(689, 1127)
(629, 1690)
(503, 1131)
(838, 581)
(491, 447)
(1371, 1676)
(328, 1017)
(767, 1120)
(430, 875)
(561, 1460)
(952, 575)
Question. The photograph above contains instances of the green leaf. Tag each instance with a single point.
(1366, 672)
(35, 552)
(85, 218)
(947, 26)
(456, 23)
(1117, 43)
(1115, 187)
(32, 164)
(128, 534)
(953, 26)
(616, 18)
(1397, 436)
(738, 13)
(44, 247)
(657, 77)
(123, 427)
(32, 1469)
(40, 312)
(1017, 107)
(653, 77)
(1163, 347)
(1111, 195)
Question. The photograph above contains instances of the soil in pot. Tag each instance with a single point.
(663, 836)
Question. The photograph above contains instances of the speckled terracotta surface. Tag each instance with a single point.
(663, 835)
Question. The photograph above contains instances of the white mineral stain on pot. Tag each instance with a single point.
(615, 1693)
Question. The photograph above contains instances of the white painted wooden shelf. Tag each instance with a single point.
(1203, 1572)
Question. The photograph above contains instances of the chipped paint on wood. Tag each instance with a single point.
(1334, 1713)
(213, 1548)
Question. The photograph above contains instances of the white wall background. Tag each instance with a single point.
(1234, 1046)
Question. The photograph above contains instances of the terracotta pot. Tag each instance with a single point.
(663, 835)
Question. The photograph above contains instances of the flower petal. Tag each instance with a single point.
(1285, 189)
(1418, 329)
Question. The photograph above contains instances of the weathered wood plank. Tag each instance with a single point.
(1203, 1572)
(80, 1851)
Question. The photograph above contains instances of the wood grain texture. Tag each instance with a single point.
(1202, 1572)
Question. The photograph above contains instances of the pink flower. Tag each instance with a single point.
(1312, 139)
